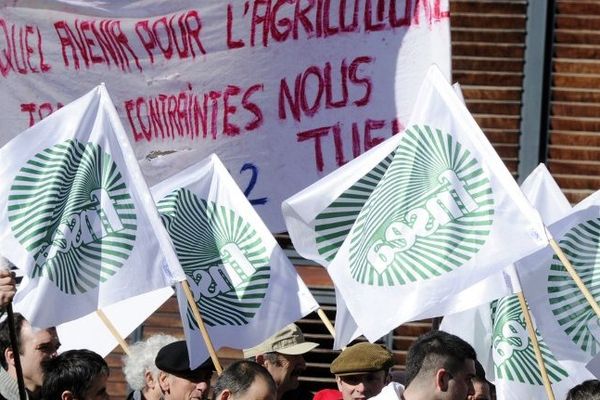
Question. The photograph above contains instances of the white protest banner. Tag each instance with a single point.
(498, 331)
(90, 332)
(77, 217)
(564, 317)
(445, 215)
(283, 91)
(244, 285)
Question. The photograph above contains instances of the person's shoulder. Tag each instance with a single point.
(9, 389)
(392, 391)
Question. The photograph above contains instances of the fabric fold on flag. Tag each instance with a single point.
(245, 286)
(77, 217)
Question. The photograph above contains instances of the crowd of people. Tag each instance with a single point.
(439, 365)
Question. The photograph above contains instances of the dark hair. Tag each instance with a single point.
(479, 373)
(73, 370)
(5, 337)
(272, 357)
(437, 349)
(240, 375)
(588, 390)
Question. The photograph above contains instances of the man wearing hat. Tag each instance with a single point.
(362, 370)
(282, 356)
(177, 381)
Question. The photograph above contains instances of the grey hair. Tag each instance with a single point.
(141, 359)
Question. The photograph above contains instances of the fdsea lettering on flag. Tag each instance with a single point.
(77, 217)
(436, 214)
(244, 285)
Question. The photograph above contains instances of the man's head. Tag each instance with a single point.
(588, 390)
(361, 370)
(75, 375)
(282, 356)
(140, 371)
(34, 347)
(481, 387)
(440, 366)
(245, 380)
(176, 380)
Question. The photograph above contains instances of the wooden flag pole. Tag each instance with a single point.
(569, 267)
(109, 325)
(536, 346)
(326, 322)
(211, 350)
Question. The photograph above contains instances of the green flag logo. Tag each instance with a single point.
(429, 214)
(334, 223)
(222, 255)
(70, 208)
(512, 351)
(581, 245)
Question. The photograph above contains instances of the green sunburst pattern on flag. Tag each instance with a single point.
(581, 245)
(513, 354)
(429, 214)
(70, 208)
(334, 223)
(221, 253)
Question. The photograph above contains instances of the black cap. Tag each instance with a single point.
(174, 359)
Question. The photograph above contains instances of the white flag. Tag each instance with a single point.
(342, 196)
(543, 192)
(516, 371)
(90, 332)
(498, 331)
(346, 329)
(244, 285)
(319, 218)
(445, 214)
(565, 319)
(495, 286)
(77, 217)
